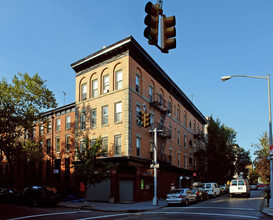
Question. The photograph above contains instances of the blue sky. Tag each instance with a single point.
(214, 38)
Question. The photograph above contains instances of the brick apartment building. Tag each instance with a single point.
(112, 86)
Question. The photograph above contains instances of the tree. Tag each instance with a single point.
(91, 168)
(261, 162)
(220, 151)
(253, 176)
(21, 106)
(242, 161)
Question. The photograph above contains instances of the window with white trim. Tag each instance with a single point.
(118, 112)
(105, 115)
(95, 88)
(118, 79)
(105, 84)
(83, 92)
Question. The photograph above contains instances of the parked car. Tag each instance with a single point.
(181, 196)
(212, 189)
(223, 189)
(239, 187)
(39, 196)
(8, 195)
(201, 194)
(253, 187)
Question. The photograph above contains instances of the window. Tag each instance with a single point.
(48, 146)
(190, 161)
(185, 119)
(170, 155)
(118, 144)
(118, 79)
(84, 92)
(67, 143)
(93, 142)
(82, 146)
(106, 84)
(49, 127)
(58, 145)
(178, 137)
(58, 124)
(170, 108)
(151, 94)
(138, 146)
(41, 130)
(105, 115)
(178, 158)
(170, 131)
(105, 145)
(185, 141)
(174, 131)
(94, 88)
(118, 111)
(83, 118)
(178, 114)
(67, 122)
(185, 161)
(137, 83)
(93, 118)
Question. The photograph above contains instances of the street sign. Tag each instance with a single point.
(271, 150)
(154, 165)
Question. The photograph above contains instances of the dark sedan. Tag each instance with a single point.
(201, 194)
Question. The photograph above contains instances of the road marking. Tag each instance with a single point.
(211, 214)
(48, 214)
(105, 216)
(226, 208)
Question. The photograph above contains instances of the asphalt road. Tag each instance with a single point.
(222, 207)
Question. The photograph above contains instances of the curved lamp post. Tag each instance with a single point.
(225, 78)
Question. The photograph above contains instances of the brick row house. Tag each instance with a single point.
(112, 86)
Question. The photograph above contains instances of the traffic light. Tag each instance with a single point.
(140, 118)
(151, 20)
(146, 120)
(168, 32)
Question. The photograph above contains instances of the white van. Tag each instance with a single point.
(212, 189)
(239, 187)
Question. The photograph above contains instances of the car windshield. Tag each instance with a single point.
(208, 186)
(177, 191)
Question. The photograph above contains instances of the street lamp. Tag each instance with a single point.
(225, 78)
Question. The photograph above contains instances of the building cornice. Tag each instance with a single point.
(130, 45)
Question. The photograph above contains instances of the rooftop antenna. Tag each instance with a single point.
(64, 96)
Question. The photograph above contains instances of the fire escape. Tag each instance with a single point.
(160, 104)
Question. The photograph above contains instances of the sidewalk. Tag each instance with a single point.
(115, 207)
(266, 210)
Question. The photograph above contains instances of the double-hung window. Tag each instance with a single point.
(106, 84)
(138, 146)
(118, 79)
(118, 144)
(94, 88)
(58, 124)
(118, 112)
(105, 115)
(84, 92)
(48, 146)
(151, 94)
(49, 125)
(67, 143)
(58, 145)
(67, 122)
(93, 118)
(137, 83)
(83, 119)
(105, 145)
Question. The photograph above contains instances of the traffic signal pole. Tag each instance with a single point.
(155, 200)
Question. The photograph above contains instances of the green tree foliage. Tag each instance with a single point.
(91, 168)
(220, 152)
(261, 162)
(21, 105)
(242, 160)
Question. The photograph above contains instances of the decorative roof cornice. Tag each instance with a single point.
(134, 49)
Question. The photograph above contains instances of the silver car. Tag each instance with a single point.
(181, 196)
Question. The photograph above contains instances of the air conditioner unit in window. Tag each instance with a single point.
(106, 91)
